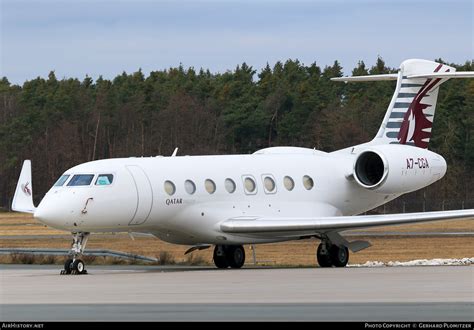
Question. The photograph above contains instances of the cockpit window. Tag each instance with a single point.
(104, 179)
(61, 180)
(81, 180)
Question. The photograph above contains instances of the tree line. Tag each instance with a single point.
(60, 123)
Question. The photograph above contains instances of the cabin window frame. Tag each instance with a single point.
(275, 187)
(251, 177)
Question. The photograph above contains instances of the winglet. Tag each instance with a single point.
(23, 199)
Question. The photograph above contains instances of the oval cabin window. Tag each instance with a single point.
(190, 187)
(308, 182)
(269, 184)
(229, 185)
(249, 185)
(210, 186)
(288, 183)
(170, 188)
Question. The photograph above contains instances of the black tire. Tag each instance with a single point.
(79, 266)
(220, 261)
(324, 260)
(339, 255)
(235, 255)
(68, 266)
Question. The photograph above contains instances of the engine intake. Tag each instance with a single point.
(370, 169)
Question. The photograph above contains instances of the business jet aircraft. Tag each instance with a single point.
(274, 195)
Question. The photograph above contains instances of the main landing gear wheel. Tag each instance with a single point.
(232, 256)
(220, 259)
(74, 265)
(323, 256)
(329, 255)
(235, 256)
(339, 255)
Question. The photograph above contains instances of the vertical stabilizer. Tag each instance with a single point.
(410, 115)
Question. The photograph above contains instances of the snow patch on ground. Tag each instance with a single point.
(419, 262)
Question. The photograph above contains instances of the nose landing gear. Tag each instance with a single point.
(74, 265)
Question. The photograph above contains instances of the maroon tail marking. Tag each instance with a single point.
(416, 111)
(26, 189)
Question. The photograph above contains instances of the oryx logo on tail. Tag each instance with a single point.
(26, 189)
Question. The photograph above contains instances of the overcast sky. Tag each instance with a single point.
(105, 37)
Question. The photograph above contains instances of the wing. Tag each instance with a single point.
(293, 227)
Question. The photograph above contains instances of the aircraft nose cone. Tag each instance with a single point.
(40, 214)
(47, 214)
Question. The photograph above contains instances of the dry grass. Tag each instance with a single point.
(383, 249)
(165, 258)
(300, 253)
(13, 224)
(288, 253)
(25, 258)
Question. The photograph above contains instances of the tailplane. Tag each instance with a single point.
(409, 117)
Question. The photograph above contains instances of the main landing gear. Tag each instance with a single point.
(329, 255)
(226, 256)
(74, 265)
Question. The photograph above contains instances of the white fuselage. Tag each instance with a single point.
(137, 201)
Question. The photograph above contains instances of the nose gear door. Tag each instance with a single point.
(144, 194)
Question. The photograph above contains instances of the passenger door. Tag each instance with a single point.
(144, 194)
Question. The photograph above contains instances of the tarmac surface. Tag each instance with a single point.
(165, 293)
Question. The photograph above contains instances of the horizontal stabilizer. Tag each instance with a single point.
(23, 199)
(464, 74)
(394, 76)
(374, 77)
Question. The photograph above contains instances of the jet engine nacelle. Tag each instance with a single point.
(392, 168)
